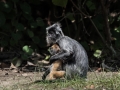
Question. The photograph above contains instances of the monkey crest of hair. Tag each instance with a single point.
(71, 51)
(54, 33)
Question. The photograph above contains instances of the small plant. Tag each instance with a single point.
(97, 53)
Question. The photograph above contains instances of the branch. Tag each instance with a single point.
(91, 22)
(107, 28)
(78, 9)
(89, 17)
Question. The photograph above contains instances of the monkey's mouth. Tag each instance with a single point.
(48, 35)
(49, 41)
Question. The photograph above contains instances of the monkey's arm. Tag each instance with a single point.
(63, 55)
(66, 52)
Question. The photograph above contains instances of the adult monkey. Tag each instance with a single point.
(72, 52)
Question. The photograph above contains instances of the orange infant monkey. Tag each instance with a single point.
(54, 70)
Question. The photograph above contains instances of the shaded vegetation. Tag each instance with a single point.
(95, 24)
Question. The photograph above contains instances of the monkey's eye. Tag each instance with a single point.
(51, 32)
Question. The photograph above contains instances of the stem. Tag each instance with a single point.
(107, 28)
(109, 46)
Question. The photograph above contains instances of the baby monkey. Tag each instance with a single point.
(54, 70)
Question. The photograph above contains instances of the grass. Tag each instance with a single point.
(95, 81)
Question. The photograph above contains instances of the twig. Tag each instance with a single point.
(91, 22)
(67, 27)
(78, 9)
(105, 14)
(107, 28)
(4, 33)
(89, 17)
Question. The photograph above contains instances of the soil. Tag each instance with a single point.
(10, 78)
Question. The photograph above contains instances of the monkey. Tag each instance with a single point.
(71, 51)
(55, 69)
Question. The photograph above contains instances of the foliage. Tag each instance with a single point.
(61, 3)
(23, 22)
(18, 27)
(97, 53)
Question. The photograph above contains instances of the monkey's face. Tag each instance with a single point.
(54, 49)
(53, 32)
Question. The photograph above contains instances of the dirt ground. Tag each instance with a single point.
(13, 77)
(10, 78)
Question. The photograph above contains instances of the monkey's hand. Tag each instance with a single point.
(51, 60)
(60, 56)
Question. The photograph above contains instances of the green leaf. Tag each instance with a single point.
(61, 3)
(4, 42)
(6, 7)
(2, 19)
(48, 49)
(27, 50)
(117, 29)
(99, 22)
(118, 18)
(30, 33)
(6, 27)
(116, 35)
(90, 5)
(33, 24)
(20, 27)
(26, 8)
(47, 57)
(16, 36)
(12, 42)
(40, 22)
(24, 56)
(11, 15)
(17, 62)
(70, 16)
(28, 17)
(36, 39)
(14, 22)
(97, 53)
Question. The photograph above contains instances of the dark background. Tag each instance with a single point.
(93, 23)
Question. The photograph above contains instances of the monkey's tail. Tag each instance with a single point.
(46, 73)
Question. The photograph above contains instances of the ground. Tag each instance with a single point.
(14, 80)
(9, 79)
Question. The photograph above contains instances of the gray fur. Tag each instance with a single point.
(72, 52)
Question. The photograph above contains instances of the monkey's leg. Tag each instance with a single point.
(56, 74)
(54, 67)
(46, 73)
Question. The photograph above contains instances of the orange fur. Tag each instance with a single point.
(56, 66)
